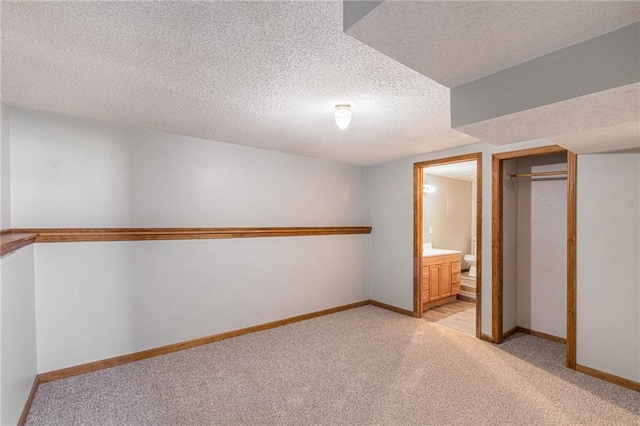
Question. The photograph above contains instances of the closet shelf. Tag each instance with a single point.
(559, 172)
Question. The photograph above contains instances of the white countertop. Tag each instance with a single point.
(438, 252)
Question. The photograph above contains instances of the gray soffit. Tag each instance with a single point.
(354, 10)
(455, 42)
(263, 74)
(601, 63)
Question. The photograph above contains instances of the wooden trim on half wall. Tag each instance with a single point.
(497, 243)
(418, 180)
(10, 241)
(58, 235)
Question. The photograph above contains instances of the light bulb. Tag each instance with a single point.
(428, 189)
(343, 115)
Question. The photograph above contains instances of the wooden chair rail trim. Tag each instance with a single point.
(11, 239)
(10, 242)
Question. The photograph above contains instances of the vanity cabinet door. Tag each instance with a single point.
(434, 282)
(445, 280)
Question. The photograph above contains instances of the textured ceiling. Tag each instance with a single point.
(264, 74)
(455, 42)
(461, 171)
(601, 139)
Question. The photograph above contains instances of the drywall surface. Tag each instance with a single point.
(389, 201)
(542, 247)
(68, 172)
(446, 213)
(510, 244)
(17, 333)
(608, 292)
(102, 299)
(5, 167)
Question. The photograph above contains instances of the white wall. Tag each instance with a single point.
(447, 211)
(389, 200)
(542, 247)
(97, 300)
(5, 167)
(608, 313)
(68, 172)
(17, 333)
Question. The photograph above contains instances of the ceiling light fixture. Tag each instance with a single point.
(342, 115)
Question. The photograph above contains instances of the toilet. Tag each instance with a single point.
(471, 260)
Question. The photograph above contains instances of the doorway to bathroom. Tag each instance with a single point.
(447, 242)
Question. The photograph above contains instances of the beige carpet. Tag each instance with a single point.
(363, 366)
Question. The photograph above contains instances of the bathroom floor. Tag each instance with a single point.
(458, 315)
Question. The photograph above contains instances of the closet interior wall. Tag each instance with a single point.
(535, 245)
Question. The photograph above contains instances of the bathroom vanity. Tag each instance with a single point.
(440, 276)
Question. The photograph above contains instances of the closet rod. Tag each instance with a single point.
(560, 172)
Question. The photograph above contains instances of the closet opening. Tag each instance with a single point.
(447, 242)
(534, 246)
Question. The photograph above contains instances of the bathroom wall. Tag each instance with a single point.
(542, 247)
(446, 213)
(102, 299)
